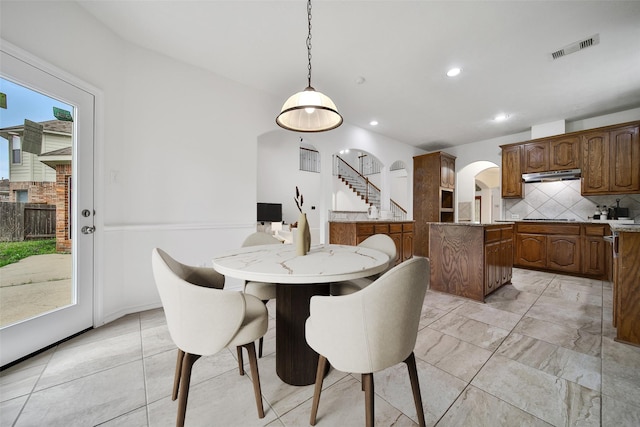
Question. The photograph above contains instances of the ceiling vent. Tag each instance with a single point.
(574, 47)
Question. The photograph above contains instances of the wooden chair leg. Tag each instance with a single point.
(240, 362)
(185, 381)
(367, 380)
(255, 376)
(176, 377)
(264, 301)
(415, 387)
(322, 363)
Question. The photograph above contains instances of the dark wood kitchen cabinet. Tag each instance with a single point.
(433, 195)
(512, 185)
(577, 249)
(564, 153)
(626, 287)
(354, 232)
(536, 157)
(609, 158)
(554, 247)
(552, 154)
(470, 260)
(596, 251)
(611, 161)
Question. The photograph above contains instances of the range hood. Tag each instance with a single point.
(563, 175)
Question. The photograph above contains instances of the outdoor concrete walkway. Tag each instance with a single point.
(34, 285)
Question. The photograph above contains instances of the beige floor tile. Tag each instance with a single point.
(621, 371)
(489, 315)
(438, 388)
(135, 418)
(226, 400)
(552, 399)
(510, 299)
(477, 408)
(585, 317)
(562, 335)
(19, 380)
(442, 301)
(552, 359)
(616, 412)
(160, 371)
(76, 361)
(471, 331)
(10, 409)
(342, 404)
(450, 354)
(89, 400)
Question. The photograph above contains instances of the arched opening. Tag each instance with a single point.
(479, 179)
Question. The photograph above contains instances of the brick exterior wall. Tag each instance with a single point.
(38, 192)
(52, 193)
(63, 196)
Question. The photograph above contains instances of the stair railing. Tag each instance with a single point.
(358, 182)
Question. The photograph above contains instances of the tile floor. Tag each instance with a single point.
(539, 352)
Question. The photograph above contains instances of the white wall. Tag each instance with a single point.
(176, 160)
(177, 151)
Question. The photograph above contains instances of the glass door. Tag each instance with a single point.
(46, 206)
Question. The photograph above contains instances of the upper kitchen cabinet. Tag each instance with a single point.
(611, 161)
(552, 154)
(536, 157)
(512, 185)
(434, 183)
(564, 153)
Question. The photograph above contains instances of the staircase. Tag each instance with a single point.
(364, 188)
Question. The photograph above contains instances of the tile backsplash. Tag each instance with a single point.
(562, 200)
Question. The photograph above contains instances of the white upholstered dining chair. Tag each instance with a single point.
(261, 290)
(370, 330)
(380, 242)
(203, 319)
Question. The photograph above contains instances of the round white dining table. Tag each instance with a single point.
(298, 279)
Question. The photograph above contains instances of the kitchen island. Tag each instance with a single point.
(626, 282)
(470, 260)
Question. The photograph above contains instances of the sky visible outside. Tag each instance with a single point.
(23, 103)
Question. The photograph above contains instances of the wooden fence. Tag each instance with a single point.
(27, 221)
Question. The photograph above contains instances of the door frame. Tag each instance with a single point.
(97, 310)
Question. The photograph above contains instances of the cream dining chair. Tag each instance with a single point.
(204, 319)
(381, 242)
(370, 330)
(261, 290)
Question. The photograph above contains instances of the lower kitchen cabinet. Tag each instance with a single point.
(353, 233)
(626, 285)
(470, 260)
(578, 249)
(596, 252)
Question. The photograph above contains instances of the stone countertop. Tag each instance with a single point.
(474, 224)
(627, 228)
(370, 220)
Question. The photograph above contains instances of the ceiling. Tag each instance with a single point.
(402, 50)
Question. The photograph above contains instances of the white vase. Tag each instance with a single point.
(303, 237)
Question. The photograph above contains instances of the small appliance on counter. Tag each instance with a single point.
(618, 212)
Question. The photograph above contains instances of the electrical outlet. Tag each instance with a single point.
(515, 216)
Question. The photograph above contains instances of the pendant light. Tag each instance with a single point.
(309, 110)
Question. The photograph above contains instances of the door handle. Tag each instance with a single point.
(88, 230)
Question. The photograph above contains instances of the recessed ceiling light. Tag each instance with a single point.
(501, 117)
(373, 123)
(454, 72)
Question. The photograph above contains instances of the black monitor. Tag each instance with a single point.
(269, 212)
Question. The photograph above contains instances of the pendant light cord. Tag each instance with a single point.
(309, 42)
